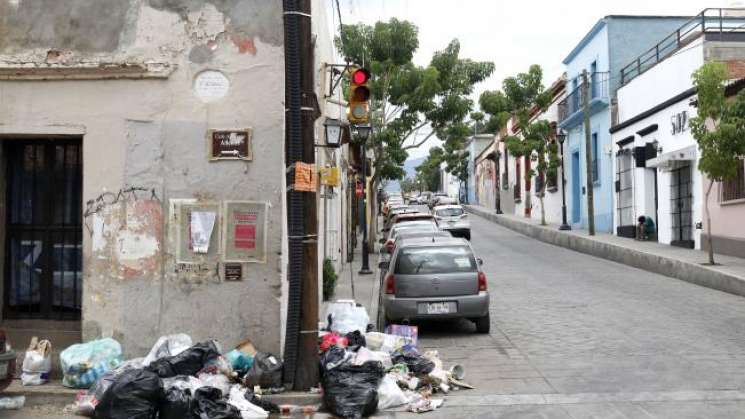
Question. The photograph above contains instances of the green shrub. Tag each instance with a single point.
(329, 279)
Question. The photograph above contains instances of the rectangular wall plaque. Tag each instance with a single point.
(245, 231)
(229, 144)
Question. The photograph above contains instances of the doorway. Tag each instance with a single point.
(575, 188)
(43, 242)
(625, 194)
(681, 207)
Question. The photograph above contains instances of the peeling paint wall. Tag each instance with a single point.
(151, 133)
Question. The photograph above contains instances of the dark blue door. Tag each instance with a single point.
(575, 188)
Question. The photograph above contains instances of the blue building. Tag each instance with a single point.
(474, 145)
(610, 45)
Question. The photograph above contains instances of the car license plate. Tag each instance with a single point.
(4, 370)
(438, 308)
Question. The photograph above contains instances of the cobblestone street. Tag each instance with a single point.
(575, 336)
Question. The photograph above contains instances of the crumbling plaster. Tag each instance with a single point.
(151, 133)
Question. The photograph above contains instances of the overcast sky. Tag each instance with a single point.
(513, 34)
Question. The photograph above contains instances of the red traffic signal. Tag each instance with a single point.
(360, 76)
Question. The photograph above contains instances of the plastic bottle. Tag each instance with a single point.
(16, 402)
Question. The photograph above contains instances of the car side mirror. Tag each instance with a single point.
(480, 261)
(384, 264)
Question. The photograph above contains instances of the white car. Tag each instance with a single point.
(453, 218)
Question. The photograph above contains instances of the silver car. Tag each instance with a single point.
(453, 218)
(435, 278)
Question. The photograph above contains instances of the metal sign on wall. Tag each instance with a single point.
(229, 144)
(244, 234)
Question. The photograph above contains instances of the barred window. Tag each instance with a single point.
(734, 188)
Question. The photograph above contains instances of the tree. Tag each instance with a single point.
(719, 130)
(408, 185)
(409, 102)
(428, 172)
(523, 97)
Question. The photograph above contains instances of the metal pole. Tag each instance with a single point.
(588, 155)
(564, 225)
(365, 269)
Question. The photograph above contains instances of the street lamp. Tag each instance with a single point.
(561, 136)
(363, 133)
(333, 129)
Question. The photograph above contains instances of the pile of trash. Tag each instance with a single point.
(176, 380)
(362, 372)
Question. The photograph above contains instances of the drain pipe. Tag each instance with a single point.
(293, 154)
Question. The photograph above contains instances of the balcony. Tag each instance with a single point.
(713, 24)
(570, 108)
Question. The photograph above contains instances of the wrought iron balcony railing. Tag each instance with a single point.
(573, 103)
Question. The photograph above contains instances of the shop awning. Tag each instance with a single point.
(673, 158)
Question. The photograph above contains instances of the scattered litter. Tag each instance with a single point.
(416, 363)
(255, 399)
(390, 394)
(265, 372)
(241, 362)
(344, 316)
(218, 381)
(167, 346)
(410, 334)
(83, 363)
(248, 410)
(331, 339)
(355, 339)
(10, 403)
(424, 404)
(377, 341)
(37, 363)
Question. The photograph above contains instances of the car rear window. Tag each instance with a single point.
(414, 226)
(435, 260)
(450, 212)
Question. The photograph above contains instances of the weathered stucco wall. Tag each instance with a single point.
(151, 134)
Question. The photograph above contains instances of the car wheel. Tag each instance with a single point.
(483, 324)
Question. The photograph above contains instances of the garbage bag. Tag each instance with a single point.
(410, 334)
(209, 404)
(248, 410)
(377, 341)
(390, 394)
(83, 363)
(168, 346)
(346, 316)
(37, 363)
(240, 361)
(135, 394)
(98, 389)
(188, 362)
(355, 338)
(416, 363)
(218, 381)
(177, 404)
(334, 357)
(266, 371)
(267, 405)
(351, 391)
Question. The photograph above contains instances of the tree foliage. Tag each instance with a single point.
(719, 130)
(428, 172)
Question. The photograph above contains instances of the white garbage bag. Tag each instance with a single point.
(248, 409)
(390, 394)
(346, 317)
(168, 346)
(37, 363)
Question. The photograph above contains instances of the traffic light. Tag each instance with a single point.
(359, 96)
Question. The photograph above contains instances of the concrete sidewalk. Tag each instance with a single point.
(683, 264)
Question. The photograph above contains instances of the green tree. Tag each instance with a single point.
(719, 130)
(523, 97)
(409, 103)
(408, 185)
(428, 172)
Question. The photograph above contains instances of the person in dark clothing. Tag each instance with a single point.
(645, 229)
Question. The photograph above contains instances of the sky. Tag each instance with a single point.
(513, 34)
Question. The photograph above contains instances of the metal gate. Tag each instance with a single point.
(681, 207)
(625, 194)
(43, 259)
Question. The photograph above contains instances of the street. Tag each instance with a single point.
(574, 336)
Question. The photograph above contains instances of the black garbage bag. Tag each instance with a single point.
(416, 363)
(355, 339)
(265, 372)
(177, 405)
(334, 357)
(209, 404)
(134, 394)
(188, 362)
(262, 403)
(351, 391)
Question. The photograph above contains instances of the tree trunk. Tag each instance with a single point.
(542, 196)
(708, 223)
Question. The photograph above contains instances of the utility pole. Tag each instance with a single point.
(588, 154)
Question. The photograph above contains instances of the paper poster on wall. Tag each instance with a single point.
(244, 231)
(198, 230)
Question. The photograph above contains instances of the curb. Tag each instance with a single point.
(670, 267)
(293, 398)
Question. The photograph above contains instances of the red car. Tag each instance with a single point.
(7, 362)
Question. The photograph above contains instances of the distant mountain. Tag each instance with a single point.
(410, 168)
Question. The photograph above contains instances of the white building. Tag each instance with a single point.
(449, 184)
(656, 156)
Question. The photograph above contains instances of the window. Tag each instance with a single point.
(594, 151)
(435, 260)
(734, 188)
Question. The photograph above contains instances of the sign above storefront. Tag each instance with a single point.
(229, 144)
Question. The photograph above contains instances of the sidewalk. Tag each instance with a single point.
(683, 264)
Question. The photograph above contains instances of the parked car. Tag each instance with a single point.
(436, 198)
(398, 209)
(426, 226)
(408, 216)
(453, 218)
(7, 361)
(391, 202)
(435, 278)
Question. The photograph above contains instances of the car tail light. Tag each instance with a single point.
(482, 281)
(390, 284)
(390, 246)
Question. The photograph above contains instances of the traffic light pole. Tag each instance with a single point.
(365, 270)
